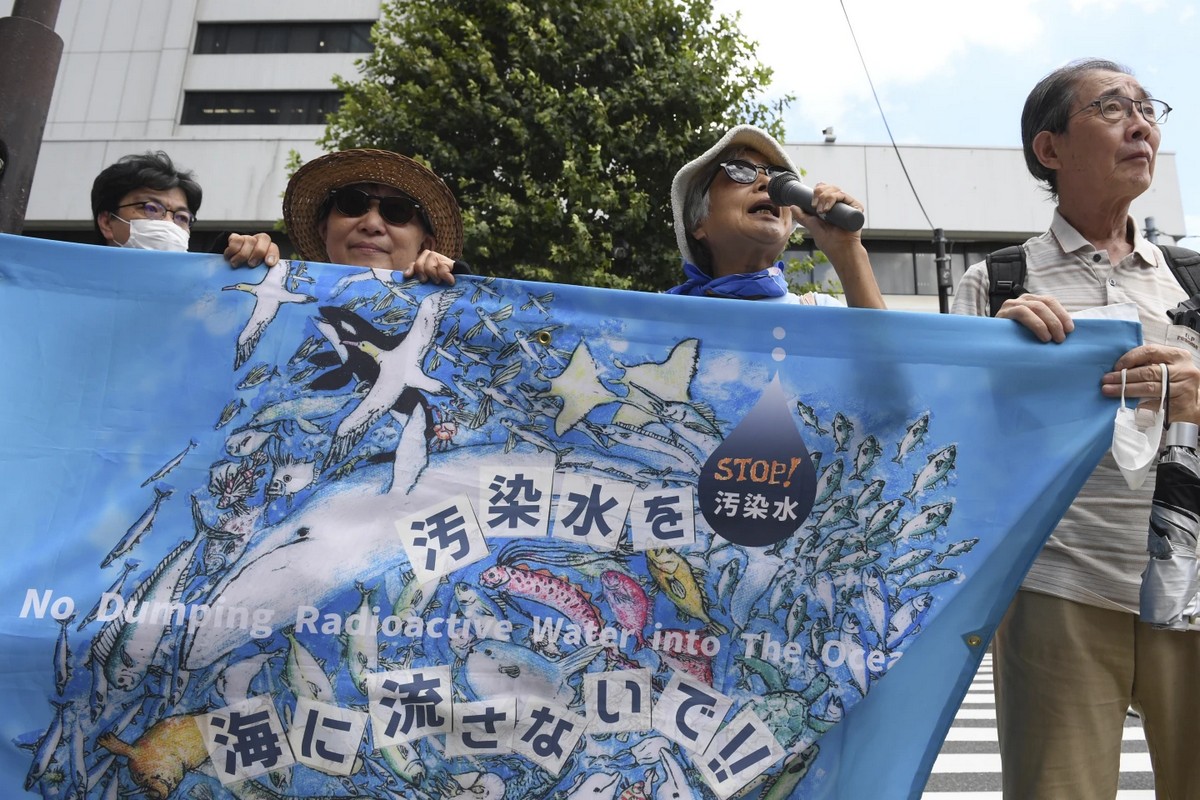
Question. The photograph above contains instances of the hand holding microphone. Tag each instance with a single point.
(786, 189)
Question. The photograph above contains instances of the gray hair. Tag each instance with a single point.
(1048, 108)
(695, 202)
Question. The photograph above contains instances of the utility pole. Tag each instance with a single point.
(944, 281)
(30, 52)
(1151, 231)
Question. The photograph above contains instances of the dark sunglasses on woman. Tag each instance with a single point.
(395, 209)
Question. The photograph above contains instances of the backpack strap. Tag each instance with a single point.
(1006, 276)
(1185, 266)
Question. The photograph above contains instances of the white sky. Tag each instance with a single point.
(956, 72)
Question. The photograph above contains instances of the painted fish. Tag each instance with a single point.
(913, 436)
(870, 493)
(362, 644)
(309, 346)
(909, 559)
(796, 616)
(843, 430)
(674, 575)
(259, 373)
(809, 417)
(46, 747)
(116, 587)
(931, 577)
(128, 644)
(290, 476)
(229, 412)
(957, 549)
(62, 656)
(499, 669)
(138, 529)
(876, 599)
(936, 469)
(231, 482)
(304, 674)
(541, 587)
(837, 513)
(233, 682)
(868, 453)
(929, 520)
(829, 481)
(907, 619)
(170, 465)
(629, 603)
(879, 525)
(301, 411)
(680, 650)
(245, 441)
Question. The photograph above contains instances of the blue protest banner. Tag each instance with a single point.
(317, 532)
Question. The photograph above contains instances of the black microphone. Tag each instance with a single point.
(785, 189)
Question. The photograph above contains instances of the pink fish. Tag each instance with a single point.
(542, 587)
(563, 596)
(681, 650)
(629, 603)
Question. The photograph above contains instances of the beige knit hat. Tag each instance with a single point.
(310, 186)
(747, 136)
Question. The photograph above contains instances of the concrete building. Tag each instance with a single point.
(230, 87)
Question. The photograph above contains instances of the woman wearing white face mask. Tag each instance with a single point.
(145, 202)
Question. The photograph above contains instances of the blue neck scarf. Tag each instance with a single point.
(745, 286)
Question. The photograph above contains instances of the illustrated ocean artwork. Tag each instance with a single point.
(319, 532)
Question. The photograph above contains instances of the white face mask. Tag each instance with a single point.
(1133, 449)
(156, 234)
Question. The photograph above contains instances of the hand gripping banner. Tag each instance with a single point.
(317, 532)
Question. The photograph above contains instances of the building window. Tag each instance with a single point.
(222, 38)
(258, 108)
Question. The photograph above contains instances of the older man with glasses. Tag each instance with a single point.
(731, 234)
(1072, 656)
(145, 202)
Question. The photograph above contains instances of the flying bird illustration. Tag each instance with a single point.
(269, 294)
(400, 360)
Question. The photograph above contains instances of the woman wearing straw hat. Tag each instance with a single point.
(731, 234)
(377, 209)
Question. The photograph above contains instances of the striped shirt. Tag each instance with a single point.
(1098, 551)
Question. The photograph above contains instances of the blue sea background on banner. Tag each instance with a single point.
(117, 361)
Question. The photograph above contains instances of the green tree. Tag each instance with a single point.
(558, 124)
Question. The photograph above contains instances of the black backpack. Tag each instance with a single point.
(1006, 272)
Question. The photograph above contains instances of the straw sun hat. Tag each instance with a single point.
(311, 184)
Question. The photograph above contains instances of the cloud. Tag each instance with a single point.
(811, 50)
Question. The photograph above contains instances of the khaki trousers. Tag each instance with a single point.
(1064, 675)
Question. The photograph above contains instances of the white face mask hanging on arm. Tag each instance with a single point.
(1133, 449)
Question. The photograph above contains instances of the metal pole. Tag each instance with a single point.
(30, 52)
(944, 281)
(1151, 231)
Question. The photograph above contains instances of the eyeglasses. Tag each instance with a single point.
(395, 209)
(747, 172)
(1117, 107)
(154, 210)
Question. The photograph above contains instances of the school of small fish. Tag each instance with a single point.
(484, 374)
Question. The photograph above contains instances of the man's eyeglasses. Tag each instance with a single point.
(1116, 107)
(395, 209)
(747, 172)
(154, 210)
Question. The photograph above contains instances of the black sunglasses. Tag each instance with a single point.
(741, 171)
(395, 209)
